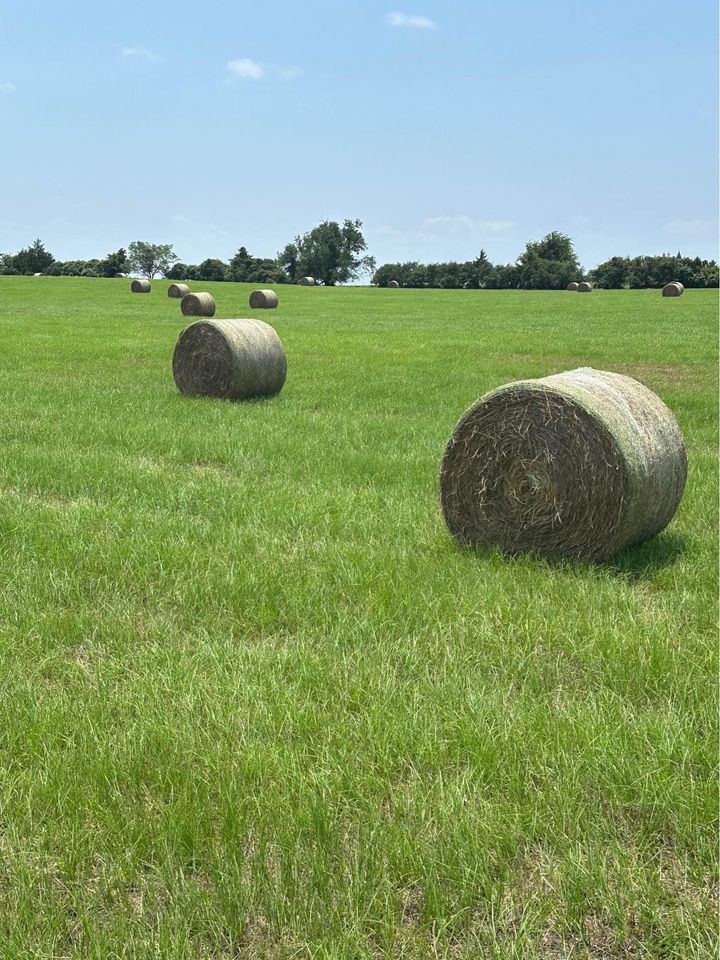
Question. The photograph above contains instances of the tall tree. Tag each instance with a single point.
(115, 263)
(548, 264)
(329, 252)
(151, 258)
(33, 259)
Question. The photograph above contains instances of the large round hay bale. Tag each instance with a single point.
(393, 284)
(306, 281)
(231, 359)
(263, 299)
(178, 290)
(580, 464)
(573, 285)
(140, 286)
(673, 289)
(584, 287)
(198, 305)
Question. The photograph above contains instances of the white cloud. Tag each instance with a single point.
(689, 226)
(140, 52)
(7, 88)
(464, 222)
(246, 69)
(397, 19)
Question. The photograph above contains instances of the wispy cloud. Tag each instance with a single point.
(463, 222)
(7, 88)
(396, 19)
(246, 69)
(689, 226)
(141, 52)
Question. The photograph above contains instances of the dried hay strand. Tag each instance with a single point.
(580, 464)
(140, 286)
(306, 282)
(393, 284)
(584, 287)
(263, 300)
(198, 305)
(572, 286)
(229, 359)
(673, 289)
(178, 290)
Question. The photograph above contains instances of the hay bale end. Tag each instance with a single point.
(140, 286)
(229, 359)
(584, 287)
(263, 300)
(198, 305)
(673, 289)
(306, 282)
(572, 286)
(393, 284)
(580, 464)
(176, 291)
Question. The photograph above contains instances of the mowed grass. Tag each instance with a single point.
(255, 701)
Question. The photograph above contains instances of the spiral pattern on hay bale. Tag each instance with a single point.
(198, 305)
(580, 464)
(229, 359)
(572, 286)
(306, 281)
(263, 300)
(176, 291)
(393, 284)
(140, 286)
(584, 287)
(673, 289)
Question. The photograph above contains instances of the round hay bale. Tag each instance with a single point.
(580, 464)
(263, 300)
(584, 287)
(572, 286)
(140, 286)
(393, 284)
(198, 305)
(121, 276)
(37, 274)
(178, 290)
(673, 289)
(306, 281)
(230, 359)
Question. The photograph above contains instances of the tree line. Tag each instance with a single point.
(335, 253)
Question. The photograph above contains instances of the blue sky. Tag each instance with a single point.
(444, 127)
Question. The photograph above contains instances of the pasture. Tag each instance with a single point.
(256, 702)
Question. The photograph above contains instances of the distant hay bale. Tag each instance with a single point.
(673, 289)
(140, 286)
(121, 276)
(263, 299)
(37, 274)
(573, 285)
(394, 284)
(198, 305)
(584, 287)
(229, 359)
(580, 464)
(178, 290)
(306, 281)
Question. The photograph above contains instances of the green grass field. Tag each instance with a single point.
(255, 700)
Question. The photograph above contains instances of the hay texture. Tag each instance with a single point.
(673, 289)
(581, 464)
(393, 284)
(584, 287)
(231, 359)
(140, 286)
(263, 300)
(306, 281)
(176, 291)
(572, 286)
(198, 305)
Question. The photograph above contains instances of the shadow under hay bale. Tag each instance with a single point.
(572, 286)
(176, 291)
(673, 289)
(263, 299)
(393, 284)
(581, 464)
(198, 305)
(306, 282)
(140, 286)
(229, 359)
(584, 287)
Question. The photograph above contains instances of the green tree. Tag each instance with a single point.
(115, 263)
(211, 269)
(149, 259)
(329, 252)
(33, 259)
(548, 264)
